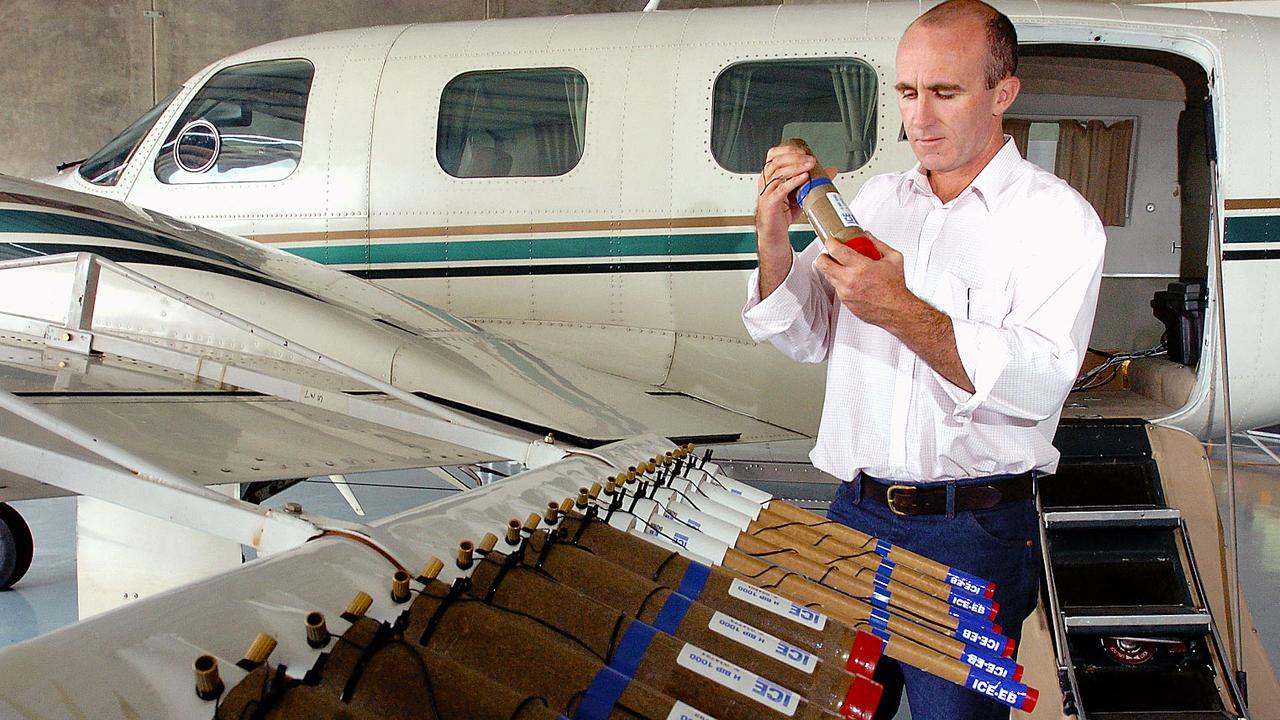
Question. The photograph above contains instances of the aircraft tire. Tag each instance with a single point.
(16, 546)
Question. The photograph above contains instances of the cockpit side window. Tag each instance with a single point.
(512, 123)
(829, 102)
(244, 125)
(104, 167)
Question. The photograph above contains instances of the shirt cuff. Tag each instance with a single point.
(778, 312)
(984, 355)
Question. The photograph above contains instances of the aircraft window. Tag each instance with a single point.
(104, 167)
(829, 102)
(512, 123)
(244, 125)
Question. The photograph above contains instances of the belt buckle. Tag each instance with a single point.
(889, 499)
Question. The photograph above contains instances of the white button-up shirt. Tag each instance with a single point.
(1015, 261)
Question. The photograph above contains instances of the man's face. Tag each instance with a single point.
(951, 117)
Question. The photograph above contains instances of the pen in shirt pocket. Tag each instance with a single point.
(968, 303)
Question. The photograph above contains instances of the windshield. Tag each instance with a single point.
(104, 167)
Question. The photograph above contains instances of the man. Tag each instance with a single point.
(948, 359)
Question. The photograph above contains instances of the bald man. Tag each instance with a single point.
(949, 358)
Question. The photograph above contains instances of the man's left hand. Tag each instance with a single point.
(874, 290)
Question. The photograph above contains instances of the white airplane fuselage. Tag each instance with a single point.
(633, 257)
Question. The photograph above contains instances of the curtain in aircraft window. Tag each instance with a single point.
(512, 123)
(244, 125)
(104, 167)
(1093, 156)
(829, 102)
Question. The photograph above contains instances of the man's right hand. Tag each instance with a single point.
(786, 168)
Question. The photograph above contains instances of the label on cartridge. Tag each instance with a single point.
(976, 605)
(761, 641)
(999, 667)
(777, 605)
(1008, 692)
(722, 672)
(702, 522)
(846, 215)
(680, 711)
(688, 538)
(977, 638)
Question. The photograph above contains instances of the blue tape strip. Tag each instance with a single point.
(694, 580)
(672, 613)
(602, 695)
(879, 619)
(635, 641)
(880, 598)
(883, 548)
(884, 572)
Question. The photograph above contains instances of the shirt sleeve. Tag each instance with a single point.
(1023, 365)
(796, 317)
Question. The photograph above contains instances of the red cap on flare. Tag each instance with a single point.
(1017, 673)
(990, 592)
(863, 698)
(864, 654)
(995, 608)
(1033, 697)
(997, 629)
(1009, 646)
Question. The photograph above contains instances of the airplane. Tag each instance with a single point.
(550, 207)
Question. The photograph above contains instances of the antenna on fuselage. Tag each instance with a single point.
(652, 5)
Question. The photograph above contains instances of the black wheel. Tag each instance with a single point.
(16, 547)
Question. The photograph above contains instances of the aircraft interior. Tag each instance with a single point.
(1126, 128)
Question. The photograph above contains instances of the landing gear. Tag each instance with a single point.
(16, 547)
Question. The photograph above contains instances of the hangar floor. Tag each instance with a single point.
(46, 598)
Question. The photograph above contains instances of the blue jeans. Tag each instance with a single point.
(1001, 544)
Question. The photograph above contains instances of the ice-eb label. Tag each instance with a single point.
(777, 605)
(979, 639)
(846, 215)
(745, 682)
(680, 711)
(761, 641)
(971, 603)
(988, 665)
(1006, 691)
(965, 584)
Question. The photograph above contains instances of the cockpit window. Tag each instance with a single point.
(104, 167)
(244, 125)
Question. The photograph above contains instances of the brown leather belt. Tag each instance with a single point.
(932, 499)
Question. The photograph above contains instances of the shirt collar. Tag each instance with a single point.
(986, 185)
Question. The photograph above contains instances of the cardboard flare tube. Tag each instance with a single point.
(623, 588)
(820, 547)
(208, 679)
(358, 606)
(779, 512)
(472, 632)
(317, 630)
(259, 650)
(381, 678)
(903, 598)
(536, 594)
(666, 569)
(431, 570)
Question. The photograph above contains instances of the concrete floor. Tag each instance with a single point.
(46, 598)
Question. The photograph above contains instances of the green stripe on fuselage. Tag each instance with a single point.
(1252, 229)
(602, 247)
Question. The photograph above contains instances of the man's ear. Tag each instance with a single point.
(1006, 92)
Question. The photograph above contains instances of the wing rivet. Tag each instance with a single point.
(293, 508)
(317, 630)
(208, 681)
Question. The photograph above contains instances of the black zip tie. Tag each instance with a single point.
(456, 590)
(508, 563)
(367, 652)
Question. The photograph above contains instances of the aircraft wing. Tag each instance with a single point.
(219, 360)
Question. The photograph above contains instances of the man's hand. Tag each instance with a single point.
(786, 168)
(876, 291)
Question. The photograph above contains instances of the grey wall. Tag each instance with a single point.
(73, 73)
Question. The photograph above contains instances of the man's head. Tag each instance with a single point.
(955, 80)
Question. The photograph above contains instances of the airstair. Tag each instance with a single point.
(1133, 633)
